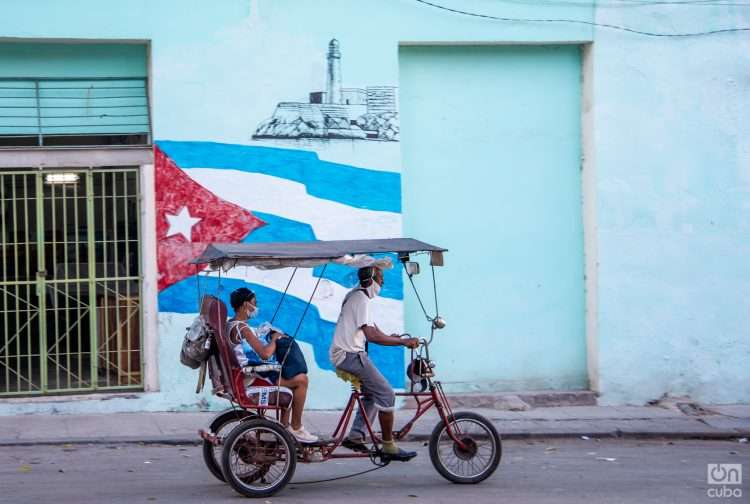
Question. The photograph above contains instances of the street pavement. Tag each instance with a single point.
(716, 422)
(562, 471)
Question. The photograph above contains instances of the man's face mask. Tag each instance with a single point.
(375, 287)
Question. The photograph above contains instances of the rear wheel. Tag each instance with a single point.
(221, 426)
(259, 458)
(477, 455)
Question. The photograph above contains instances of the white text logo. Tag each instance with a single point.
(724, 475)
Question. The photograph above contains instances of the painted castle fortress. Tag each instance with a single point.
(337, 112)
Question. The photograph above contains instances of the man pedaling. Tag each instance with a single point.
(354, 328)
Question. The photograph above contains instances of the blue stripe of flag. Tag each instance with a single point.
(350, 185)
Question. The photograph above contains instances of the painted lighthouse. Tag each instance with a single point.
(368, 113)
(333, 74)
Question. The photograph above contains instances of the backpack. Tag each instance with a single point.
(196, 346)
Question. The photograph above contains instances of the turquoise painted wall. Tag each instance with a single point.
(491, 150)
(73, 60)
(668, 152)
(672, 159)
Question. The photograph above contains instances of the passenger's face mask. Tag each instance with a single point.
(253, 312)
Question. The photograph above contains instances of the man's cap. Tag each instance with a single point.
(365, 273)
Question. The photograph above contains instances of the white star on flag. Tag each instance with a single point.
(182, 223)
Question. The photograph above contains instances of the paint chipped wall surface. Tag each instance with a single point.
(279, 120)
(671, 147)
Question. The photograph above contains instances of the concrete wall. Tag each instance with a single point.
(671, 147)
(665, 140)
(73, 60)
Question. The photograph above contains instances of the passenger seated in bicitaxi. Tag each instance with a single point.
(250, 350)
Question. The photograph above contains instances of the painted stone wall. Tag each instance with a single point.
(211, 192)
(298, 175)
(671, 153)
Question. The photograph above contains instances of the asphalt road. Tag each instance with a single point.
(539, 471)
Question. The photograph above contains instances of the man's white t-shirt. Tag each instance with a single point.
(349, 336)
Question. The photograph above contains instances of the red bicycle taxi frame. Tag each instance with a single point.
(436, 397)
(308, 254)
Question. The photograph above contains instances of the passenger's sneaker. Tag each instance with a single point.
(302, 435)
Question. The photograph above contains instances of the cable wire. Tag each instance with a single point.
(579, 21)
(339, 477)
(379, 464)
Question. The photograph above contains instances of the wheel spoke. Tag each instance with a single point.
(260, 458)
(473, 455)
(482, 459)
(473, 467)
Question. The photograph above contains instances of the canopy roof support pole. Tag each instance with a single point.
(414, 287)
(309, 301)
(434, 290)
(284, 295)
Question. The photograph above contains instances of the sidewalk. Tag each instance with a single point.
(719, 422)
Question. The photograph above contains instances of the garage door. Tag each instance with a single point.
(491, 144)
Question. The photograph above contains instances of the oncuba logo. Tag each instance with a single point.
(724, 475)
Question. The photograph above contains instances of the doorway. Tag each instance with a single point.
(491, 146)
(70, 287)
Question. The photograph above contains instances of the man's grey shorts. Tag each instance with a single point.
(373, 382)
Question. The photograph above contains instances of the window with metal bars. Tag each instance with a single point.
(74, 111)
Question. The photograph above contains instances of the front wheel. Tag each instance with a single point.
(477, 455)
(259, 458)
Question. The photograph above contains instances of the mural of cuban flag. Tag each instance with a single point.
(213, 192)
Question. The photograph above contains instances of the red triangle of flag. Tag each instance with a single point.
(188, 218)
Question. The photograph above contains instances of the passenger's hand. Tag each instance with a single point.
(276, 335)
(411, 342)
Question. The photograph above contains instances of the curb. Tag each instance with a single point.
(195, 440)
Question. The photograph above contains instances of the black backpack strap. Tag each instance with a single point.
(363, 291)
(367, 343)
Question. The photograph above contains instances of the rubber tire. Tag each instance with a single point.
(217, 423)
(435, 437)
(238, 431)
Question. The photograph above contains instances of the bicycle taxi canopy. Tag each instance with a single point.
(308, 254)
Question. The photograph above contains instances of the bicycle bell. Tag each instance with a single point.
(438, 322)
